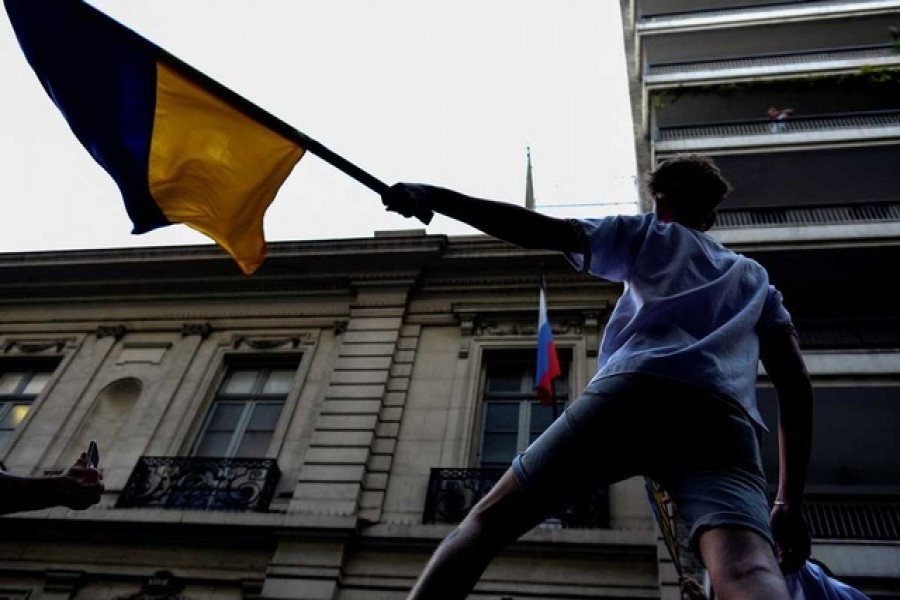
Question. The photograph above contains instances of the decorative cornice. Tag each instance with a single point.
(284, 342)
(162, 585)
(62, 581)
(117, 332)
(201, 329)
(36, 346)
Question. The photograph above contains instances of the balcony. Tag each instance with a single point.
(853, 518)
(453, 492)
(668, 19)
(872, 212)
(778, 64)
(227, 484)
(799, 129)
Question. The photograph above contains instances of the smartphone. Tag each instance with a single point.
(93, 455)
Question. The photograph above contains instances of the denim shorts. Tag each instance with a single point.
(701, 447)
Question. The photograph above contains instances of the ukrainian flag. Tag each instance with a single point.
(181, 147)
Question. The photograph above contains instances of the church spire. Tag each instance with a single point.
(529, 184)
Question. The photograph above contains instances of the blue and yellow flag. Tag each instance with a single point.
(181, 147)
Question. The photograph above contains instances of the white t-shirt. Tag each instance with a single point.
(691, 308)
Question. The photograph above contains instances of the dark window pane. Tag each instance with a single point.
(213, 444)
(225, 416)
(264, 417)
(501, 417)
(541, 418)
(505, 378)
(254, 444)
(499, 448)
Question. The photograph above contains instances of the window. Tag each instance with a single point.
(20, 384)
(512, 415)
(246, 410)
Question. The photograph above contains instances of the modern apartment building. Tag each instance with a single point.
(816, 201)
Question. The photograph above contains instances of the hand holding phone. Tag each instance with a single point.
(93, 456)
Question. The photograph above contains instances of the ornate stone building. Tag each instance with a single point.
(310, 431)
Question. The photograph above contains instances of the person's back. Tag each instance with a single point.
(674, 395)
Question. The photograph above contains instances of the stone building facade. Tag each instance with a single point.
(310, 431)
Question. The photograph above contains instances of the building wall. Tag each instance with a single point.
(390, 362)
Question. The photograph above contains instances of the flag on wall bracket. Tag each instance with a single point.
(547, 360)
(181, 147)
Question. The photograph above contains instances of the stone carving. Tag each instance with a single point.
(162, 585)
(201, 329)
(50, 346)
(117, 332)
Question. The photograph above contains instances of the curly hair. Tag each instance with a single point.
(693, 186)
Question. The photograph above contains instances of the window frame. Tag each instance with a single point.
(524, 397)
(262, 363)
(31, 367)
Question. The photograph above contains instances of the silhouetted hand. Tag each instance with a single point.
(792, 543)
(78, 487)
(409, 200)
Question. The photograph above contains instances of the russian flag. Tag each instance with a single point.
(547, 361)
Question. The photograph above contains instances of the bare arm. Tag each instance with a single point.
(77, 487)
(781, 357)
(509, 222)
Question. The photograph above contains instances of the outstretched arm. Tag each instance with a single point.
(514, 224)
(78, 488)
(781, 357)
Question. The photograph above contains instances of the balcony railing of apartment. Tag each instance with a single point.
(875, 334)
(874, 119)
(853, 518)
(748, 12)
(453, 492)
(233, 484)
(776, 59)
(863, 212)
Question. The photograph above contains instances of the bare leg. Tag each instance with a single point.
(741, 565)
(497, 520)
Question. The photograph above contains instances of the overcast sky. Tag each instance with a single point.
(449, 93)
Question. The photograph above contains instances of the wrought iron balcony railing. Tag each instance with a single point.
(233, 484)
(848, 518)
(453, 492)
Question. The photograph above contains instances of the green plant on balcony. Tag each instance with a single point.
(866, 78)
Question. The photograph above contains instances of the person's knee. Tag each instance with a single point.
(738, 556)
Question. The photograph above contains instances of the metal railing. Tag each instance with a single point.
(778, 59)
(794, 124)
(868, 334)
(853, 518)
(453, 492)
(749, 11)
(232, 484)
(867, 212)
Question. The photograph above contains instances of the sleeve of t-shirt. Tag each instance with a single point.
(774, 313)
(608, 244)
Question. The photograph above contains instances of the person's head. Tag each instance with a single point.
(773, 112)
(687, 189)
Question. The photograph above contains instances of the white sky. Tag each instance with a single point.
(449, 93)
